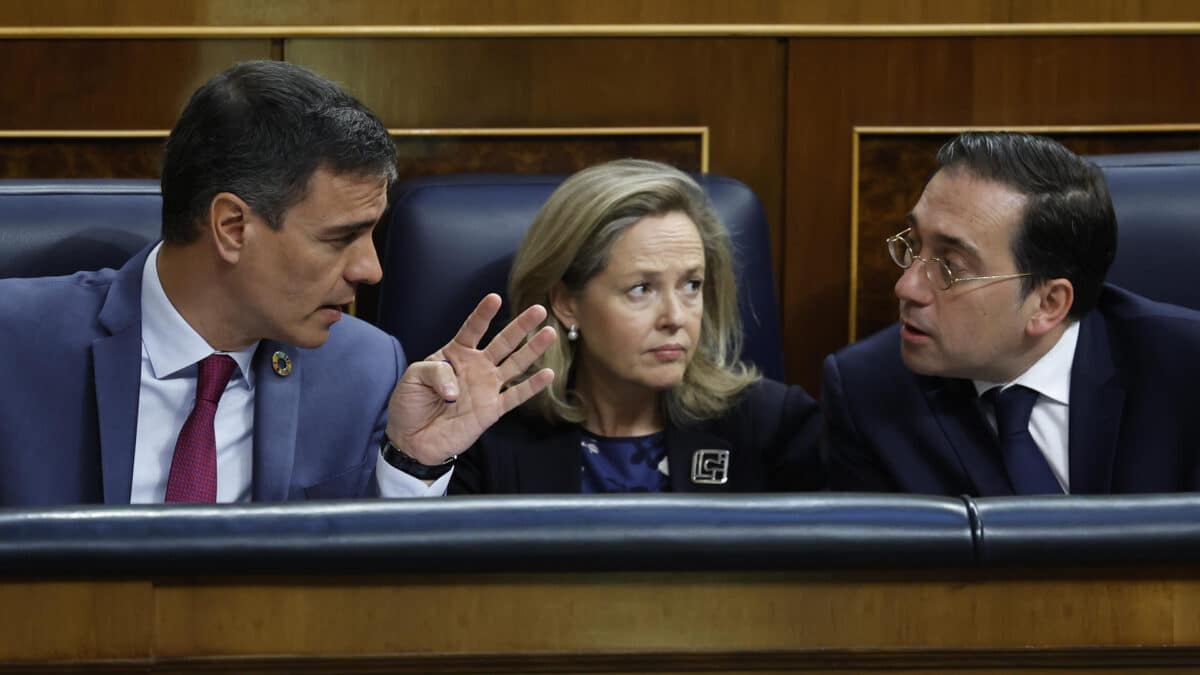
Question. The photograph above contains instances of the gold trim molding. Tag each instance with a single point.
(597, 31)
(859, 131)
(45, 134)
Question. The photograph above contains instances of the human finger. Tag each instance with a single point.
(519, 393)
(529, 353)
(477, 322)
(507, 340)
(436, 375)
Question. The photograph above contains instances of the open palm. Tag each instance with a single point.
(442, 405)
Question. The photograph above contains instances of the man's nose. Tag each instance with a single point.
(364, 267)
(913, 286)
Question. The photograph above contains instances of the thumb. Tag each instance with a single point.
(437, 375)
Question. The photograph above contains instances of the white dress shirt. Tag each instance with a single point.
(1049, 423)
(171, 348)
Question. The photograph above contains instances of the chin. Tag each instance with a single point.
(921, 366)
(309, 339)
(661, 384)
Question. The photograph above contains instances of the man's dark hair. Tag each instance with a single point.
(260, 130)
(1068, 229)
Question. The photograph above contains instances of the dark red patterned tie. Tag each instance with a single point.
(193, 476)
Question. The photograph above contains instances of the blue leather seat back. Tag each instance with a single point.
(1156, 197)
(54, 227)
(451, 240)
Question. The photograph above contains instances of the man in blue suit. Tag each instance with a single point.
(217, 364)
(1014, 369)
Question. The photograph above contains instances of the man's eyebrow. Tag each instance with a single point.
(948, 241)
(945, 240)
(349, 228)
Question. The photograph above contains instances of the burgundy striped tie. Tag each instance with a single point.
(193, 476)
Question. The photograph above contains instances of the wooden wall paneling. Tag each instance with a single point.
(449, 12)
(495, 12)
(585, 12)
(115, 154)
(541, 150)
(910, 621)
(732, 86)
(681, 613)
(57, 620)
(837, 84)
(82, 157)
(1102, 10)
(109, 84)
(1085, 80)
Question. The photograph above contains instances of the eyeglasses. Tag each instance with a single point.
(938, 272)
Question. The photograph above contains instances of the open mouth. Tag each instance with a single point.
(911, 331)
(332, 312)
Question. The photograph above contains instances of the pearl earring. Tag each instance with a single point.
(573, 333)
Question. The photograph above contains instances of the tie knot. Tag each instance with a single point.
(1013, 407)
(215, 371)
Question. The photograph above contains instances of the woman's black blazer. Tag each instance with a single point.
(768, 441)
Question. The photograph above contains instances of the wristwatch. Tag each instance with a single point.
(401, 460)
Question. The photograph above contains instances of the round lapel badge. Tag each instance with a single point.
(281, 363)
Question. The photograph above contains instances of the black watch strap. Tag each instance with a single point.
(398, 459)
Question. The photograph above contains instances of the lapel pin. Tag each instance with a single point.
(710, 467)
(281, 363)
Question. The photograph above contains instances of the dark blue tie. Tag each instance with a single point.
(1027, 467)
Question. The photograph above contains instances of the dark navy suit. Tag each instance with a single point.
(771, 435)
(1134, 411)
(70, 368)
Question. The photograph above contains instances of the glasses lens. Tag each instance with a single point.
(900, 251)
(940, 275)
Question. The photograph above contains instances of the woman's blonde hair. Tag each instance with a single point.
(569, 243)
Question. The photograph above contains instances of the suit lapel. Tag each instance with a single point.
(954, 407)
(276, 419)
(550, 465)
(117, 367)
(682, 443)
(1097, 399)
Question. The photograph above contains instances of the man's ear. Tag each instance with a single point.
(563, 305)
(227, 221)
(1054, 301)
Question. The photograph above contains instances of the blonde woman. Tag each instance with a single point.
(649, 394)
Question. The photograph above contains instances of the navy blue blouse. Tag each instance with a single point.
(629, 464)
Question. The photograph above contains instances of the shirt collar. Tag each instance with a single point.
(169, 341)
(1050, 375)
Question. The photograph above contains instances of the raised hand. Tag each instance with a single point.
(443, 404)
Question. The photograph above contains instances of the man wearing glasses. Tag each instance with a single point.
(1014, 369)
